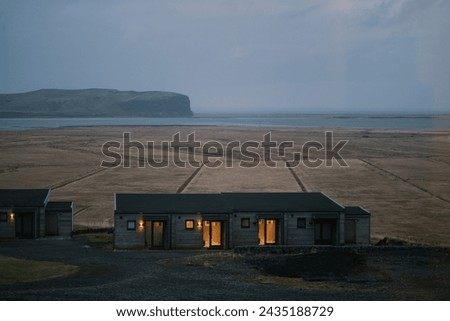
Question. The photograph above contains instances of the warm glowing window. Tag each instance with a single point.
(189, 224)
(212, 233)
(131, 225)
(245, 222)
(267, 232)
(271, 232)
(216, 233)
(206, 234)
(301, 222)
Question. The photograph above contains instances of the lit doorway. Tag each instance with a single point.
(154, 234)
(212, 234)
(267, 231)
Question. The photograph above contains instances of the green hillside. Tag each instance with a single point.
(94, 103)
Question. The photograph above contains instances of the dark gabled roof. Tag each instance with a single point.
(170, 203)
(356, 210)
(24, 197)
(225, 203)
(59, 206)
(282, 202)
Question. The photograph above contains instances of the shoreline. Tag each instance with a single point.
(303, 128)
(315, 121)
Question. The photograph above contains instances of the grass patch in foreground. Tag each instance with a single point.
(14, 270)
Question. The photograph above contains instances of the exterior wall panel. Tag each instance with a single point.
(65, 223)
(128, 239)
(8, 227)
(299, 236)
(341, 229)
(244, 236)
(40, 219)
(362, 223)
(363, 231)
(183, 238)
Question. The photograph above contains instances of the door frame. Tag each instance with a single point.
(318, 239)
(222, 234)
(20, 214)
(346, 231)
(277, 232)
(152, 240)
(47, 215)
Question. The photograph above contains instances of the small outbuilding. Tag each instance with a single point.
(227, 220)
(357, 225)
(28, 213)
(59, 218)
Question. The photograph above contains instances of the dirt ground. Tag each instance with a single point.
(318, 273)
(401, 177)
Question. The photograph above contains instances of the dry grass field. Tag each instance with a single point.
(402, 177)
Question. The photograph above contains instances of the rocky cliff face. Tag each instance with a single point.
(94, 103)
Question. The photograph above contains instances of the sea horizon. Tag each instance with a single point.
(276, 120)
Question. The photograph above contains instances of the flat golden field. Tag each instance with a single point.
(401, 177)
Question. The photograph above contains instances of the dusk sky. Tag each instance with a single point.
(347, 56)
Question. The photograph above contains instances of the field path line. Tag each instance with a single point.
(404, 180)
(81, 211)
(189, 179)
(296, 177)
(77, 179)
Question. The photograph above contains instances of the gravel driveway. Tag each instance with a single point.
(192, 275)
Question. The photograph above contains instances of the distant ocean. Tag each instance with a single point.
(399, 122)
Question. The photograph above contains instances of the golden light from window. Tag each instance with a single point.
(141, 225)
(11, 216)
(199, 224)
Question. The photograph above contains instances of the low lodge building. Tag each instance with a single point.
(227, 220)
(28, 213)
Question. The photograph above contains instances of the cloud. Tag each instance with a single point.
(248, 55)
(206, 9)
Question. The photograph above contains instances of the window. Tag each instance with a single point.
(301, 222)
(245, 222)
(189, 224)
(3, 217)
(131, 225)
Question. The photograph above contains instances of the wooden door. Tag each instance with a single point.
(212, 234)
(350, 231)
(325, 232)
(154, 234)
(158, 234)
(51, 224)
(24, 225)
(267, 231)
